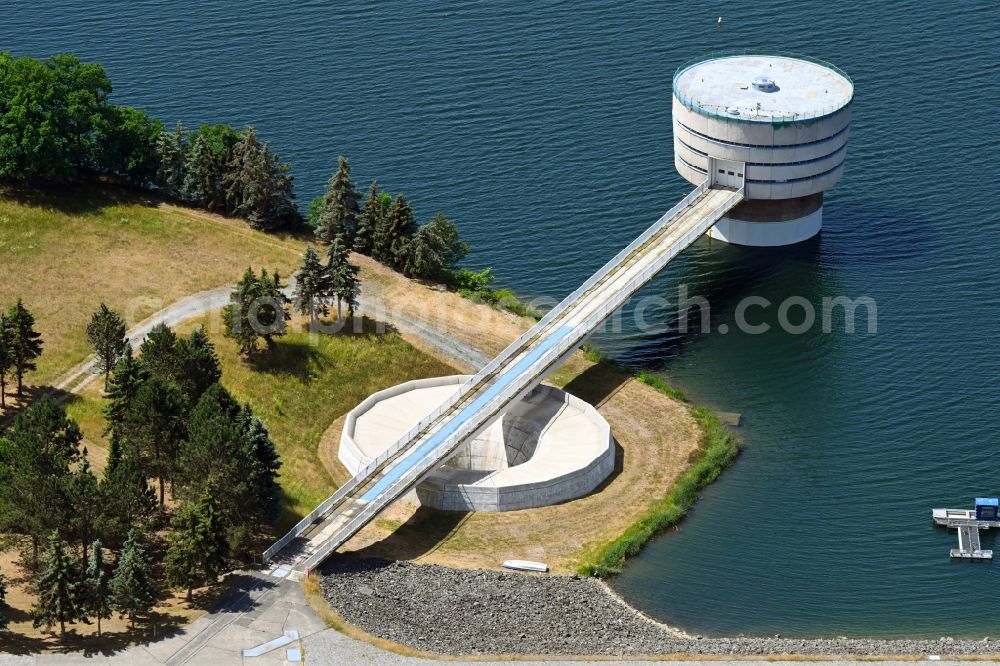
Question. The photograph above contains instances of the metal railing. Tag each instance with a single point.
(533, 374)
(407, 438)
(719, 112)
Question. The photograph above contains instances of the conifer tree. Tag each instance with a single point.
(209, 461)
(159, 352)
(59, 589)
(393, 235)
(423, 260)
(199, 185)
(3, 603)
(154, 428)
(257, 309)
(128, 376)
(229, 455)
(83, 495)
(106, 334)
(128, 501)
(264, 463)
(35, 457)
(6, 356)
(171, 157)
(313, 286)
(368, 221)
(198, 365)
(345, 285)
(132, 592)
(338, 215)
(25, 342)
(258, 185)
(435, 249)
(198, 546)
(97, 586)
(219, 140)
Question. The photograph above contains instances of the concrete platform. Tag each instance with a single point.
(548, 448)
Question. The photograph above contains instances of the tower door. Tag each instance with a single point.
(727, 173)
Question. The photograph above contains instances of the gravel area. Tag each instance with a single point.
(479, 612)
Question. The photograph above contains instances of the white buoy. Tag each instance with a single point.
(720, 20)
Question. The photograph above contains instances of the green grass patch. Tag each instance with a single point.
(661, 386)
(718, 448)
(304, 383)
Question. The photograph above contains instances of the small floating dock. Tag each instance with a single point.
(968, 523)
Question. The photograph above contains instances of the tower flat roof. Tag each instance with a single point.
(724, 86)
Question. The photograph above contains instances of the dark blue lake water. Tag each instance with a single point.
(544, 130)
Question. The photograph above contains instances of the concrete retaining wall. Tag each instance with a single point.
(569, 457)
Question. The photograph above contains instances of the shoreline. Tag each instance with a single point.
(416, 610)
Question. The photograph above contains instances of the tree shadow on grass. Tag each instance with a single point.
(17, 405)
(354, 326)
(289, 358)
(78, 198)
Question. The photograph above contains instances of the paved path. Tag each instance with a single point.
(258, 610)
(215, 299)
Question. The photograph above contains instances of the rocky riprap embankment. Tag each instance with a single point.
(467, 612)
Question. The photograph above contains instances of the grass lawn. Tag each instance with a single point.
(298, 388)
(64, 251)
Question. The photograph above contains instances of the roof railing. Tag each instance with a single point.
(720, 112)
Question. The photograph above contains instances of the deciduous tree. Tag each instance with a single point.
(126, 145)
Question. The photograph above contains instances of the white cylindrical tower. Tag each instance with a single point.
(777, 123)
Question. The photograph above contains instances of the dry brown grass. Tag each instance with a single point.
(648, 426)
(171, 613)
(66, 251)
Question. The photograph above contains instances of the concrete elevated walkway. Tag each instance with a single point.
(505, 380)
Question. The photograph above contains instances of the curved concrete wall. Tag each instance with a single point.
(768, 234)
(563, 457)
(350, 453)
(783, 159)
(555, 473)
